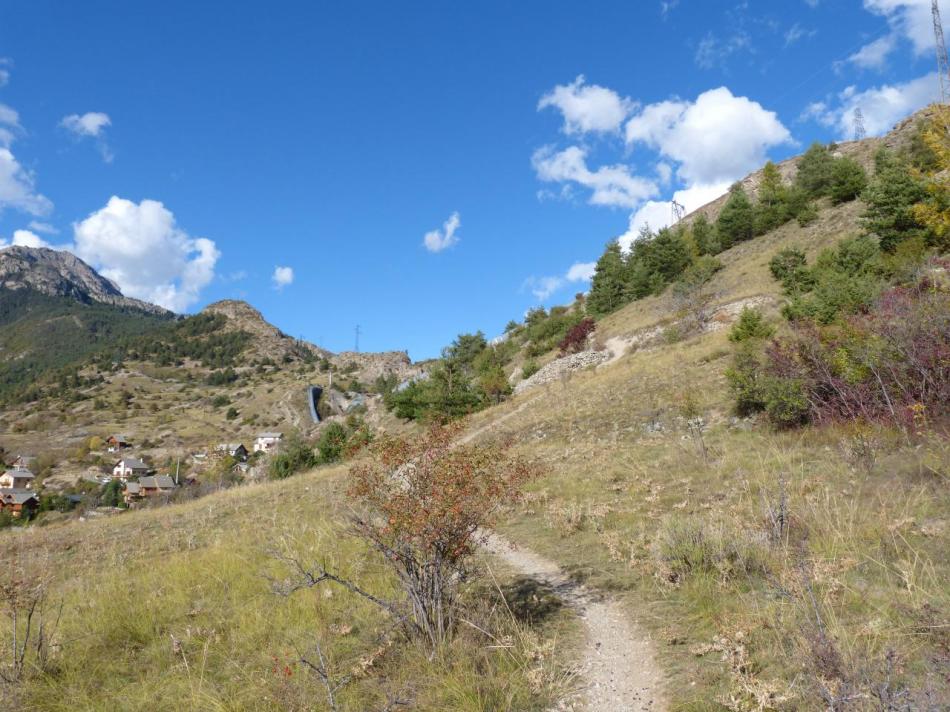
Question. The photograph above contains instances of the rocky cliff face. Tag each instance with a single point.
(268, 340)
(62, 274)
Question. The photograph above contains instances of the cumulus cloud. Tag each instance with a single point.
(881, 106)
(438, 240)
(24, 238)
(17, 184)
(587, 108)
(140, 247)
(544, 287)
(716, 138)
(90, 125)
(874, 54)
(911, 19)
(282, 277)
(610, 185)
(657, 214)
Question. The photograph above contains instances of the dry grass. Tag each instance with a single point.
(174, 608)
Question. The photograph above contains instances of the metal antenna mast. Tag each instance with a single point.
(859, 131)
(677, 211)
(943, 65)
(357, 338)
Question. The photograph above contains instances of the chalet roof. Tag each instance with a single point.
(133, 487)
(230, 447)
(132, 463)
(275, 436)
(157, 482)
(17, 496)
(118, 438)
(21, 473)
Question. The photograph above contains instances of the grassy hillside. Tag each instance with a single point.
(851, 593)
(175, 608)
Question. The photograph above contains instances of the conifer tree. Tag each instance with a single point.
(814, 170)
(848, 180)
(735, 220)
(608, 288)
(704, 236)
(771, 211)
(891, 197)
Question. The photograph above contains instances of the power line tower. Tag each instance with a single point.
(859, 131)
(943, 65)
(357, 338)
(677, 211)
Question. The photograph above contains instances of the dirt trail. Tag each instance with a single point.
(617, 667)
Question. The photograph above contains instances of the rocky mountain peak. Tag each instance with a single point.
(58, 273)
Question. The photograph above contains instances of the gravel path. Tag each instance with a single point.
(617, 669)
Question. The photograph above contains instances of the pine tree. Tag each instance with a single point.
(814, 170)
(608, 288)
(735, 220)
(891, 197)
(704, 236)
(848, 180)
(771, 211)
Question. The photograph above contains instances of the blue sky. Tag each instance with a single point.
(419, 169)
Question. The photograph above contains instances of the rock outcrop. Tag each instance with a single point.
(58, 273)
(561, 367)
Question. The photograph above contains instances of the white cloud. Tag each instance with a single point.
(719, 137)
(581, 272)
(141, 248)
(874, 54)
(17, 184)
(17, 187)
(611, 185)
(797, 32)
(911, 18)
(881, 106)
(543, 287)
(90, 125)
(657, 214)
(589, 108)
(24, 238)
(43, 227)
(438, 240)
(713, 51)
(282, 277)
(5, 63)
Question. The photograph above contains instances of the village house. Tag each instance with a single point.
(23, 462)
(18, 503)
(266, 442)
(117, 442)
(129, 467)
(148, 486)
(17, 479)
(235, 450)
(156, 484)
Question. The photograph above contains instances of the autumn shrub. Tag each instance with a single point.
(423, 503)
(575, 340)
(890, 364)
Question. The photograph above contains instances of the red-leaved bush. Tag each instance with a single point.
(891, 364)
(423, 503)
(575, 340)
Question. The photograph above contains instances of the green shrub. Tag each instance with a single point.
(747, 380)
(848, 180)
(786, 403)
(530, 368)
(751, 324)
